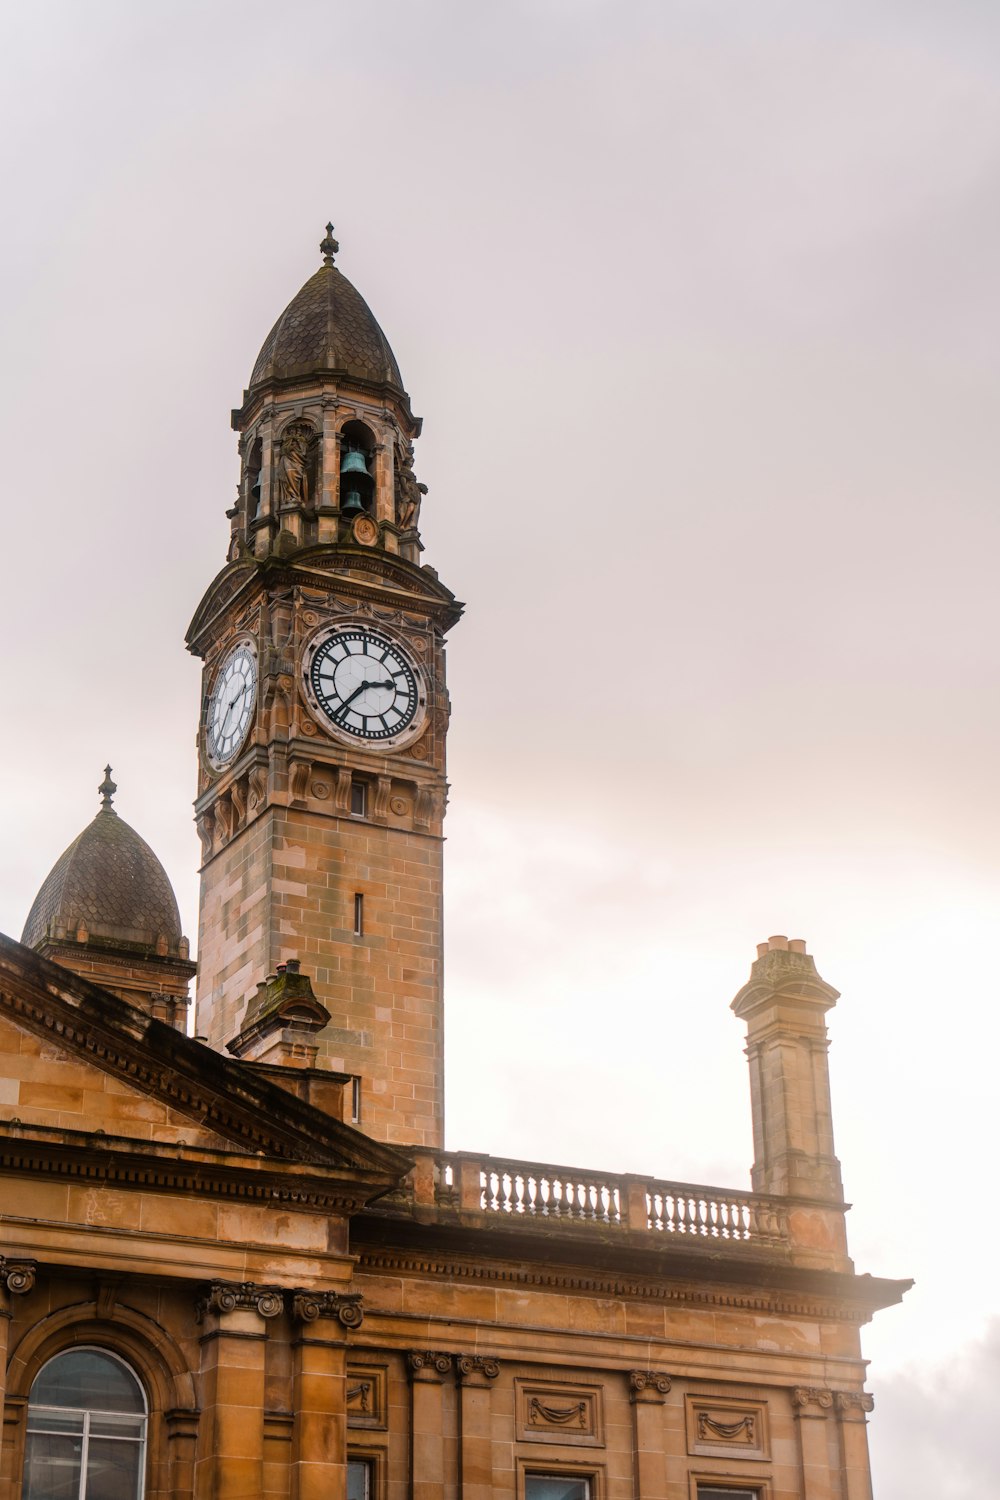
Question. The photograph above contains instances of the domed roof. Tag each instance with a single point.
(110, 883)
(327, 326)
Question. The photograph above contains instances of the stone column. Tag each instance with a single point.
(811, 1407)
(476, 1374)
(648, 1390)
(319, 1448)
(851, 1408)
(17, 1277)
(231, 1458)
(427, 1372)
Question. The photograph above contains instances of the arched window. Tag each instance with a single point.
(86, 1430)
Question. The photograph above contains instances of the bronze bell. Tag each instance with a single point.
(352, 503)
(354, 463)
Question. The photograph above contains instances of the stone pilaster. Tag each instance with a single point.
(319, 1449)
(648, 1391)
(812, 1407)
(476, 1374)
(231, 1455)
(428, 1370)
(852, 1408)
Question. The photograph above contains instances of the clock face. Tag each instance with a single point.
(230, 708)
(363, 684)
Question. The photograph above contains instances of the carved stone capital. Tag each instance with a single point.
(428, 1365)
(852, 1405)
(477, 1369)
(241, 1296)
(17, 1276)
(811, 1395)
(649, 1386)
(346, 1307)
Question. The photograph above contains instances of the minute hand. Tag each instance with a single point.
(349, 700)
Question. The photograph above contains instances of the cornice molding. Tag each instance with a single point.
(636, 1289)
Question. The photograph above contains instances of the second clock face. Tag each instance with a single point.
(231, 705)
(364, 684)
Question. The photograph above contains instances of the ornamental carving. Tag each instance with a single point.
(477, 1367)
(854, 1404)
(346, 1307)
(648, 1385)
(428, 1364)
(809, 1395)
(241, 1296)
(709, 1428)
(360, 1396)
(17, 1276)
(540, 1411)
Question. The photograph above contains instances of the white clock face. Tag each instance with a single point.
(231, 705)
(363, 684)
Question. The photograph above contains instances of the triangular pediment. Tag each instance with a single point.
(77, 1060)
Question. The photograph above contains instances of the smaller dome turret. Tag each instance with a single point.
(107, 910)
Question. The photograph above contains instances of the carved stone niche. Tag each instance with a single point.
(724, 1426)
(559, 1412)
(366, 1396)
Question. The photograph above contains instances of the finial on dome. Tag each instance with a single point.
(329, 246)
(107, 790)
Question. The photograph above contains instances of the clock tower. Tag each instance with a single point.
(321, 744)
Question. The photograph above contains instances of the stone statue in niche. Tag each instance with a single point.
(295, 465)
(408, 492)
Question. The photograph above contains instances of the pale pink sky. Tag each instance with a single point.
(699, 302)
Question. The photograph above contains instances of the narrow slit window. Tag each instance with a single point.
(359, 799)
(359, 915)
(355, 1100)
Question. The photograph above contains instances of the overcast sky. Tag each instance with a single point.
(699, 302)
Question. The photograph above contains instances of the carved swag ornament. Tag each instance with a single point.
(709, 1428)
(540, 1412)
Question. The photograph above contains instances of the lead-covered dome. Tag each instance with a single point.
(110, 885)
(327, 326)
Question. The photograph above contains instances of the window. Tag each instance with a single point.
(555, 1487)
(359, 1479)
(359, 799)
(726, 1492)
(86, 1430)
(359, 915)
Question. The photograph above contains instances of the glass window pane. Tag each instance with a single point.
(554, 1487)
(726, 1492)
(49, 1419)
(112, 1470)
(87, 1378)
(117, 1425)
(52, 1467)
(358, 1476)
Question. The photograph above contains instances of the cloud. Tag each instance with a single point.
(935, 1434)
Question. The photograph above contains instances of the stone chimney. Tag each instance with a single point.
(785, 1005)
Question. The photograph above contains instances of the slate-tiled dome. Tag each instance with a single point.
(327, 326)
(110, 883)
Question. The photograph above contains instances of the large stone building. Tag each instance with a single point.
(242, 1264)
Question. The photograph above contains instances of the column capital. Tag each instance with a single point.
(346, 1307)
(804, 1396)
(477, 1369)
(241, 1296)
(428, 1365)
(17, 1276)
(852, 1405)
(648, 1387)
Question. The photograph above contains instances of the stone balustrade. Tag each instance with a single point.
(537, 1193)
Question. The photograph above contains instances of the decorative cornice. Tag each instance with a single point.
(241, 1296)
(810, 1395)
(852, 1405)
(429, 1365)
(346, 1307)
(649, 1386)
(92, 1158)
(476, 1369)
(17, 1276)
(612, 1286)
